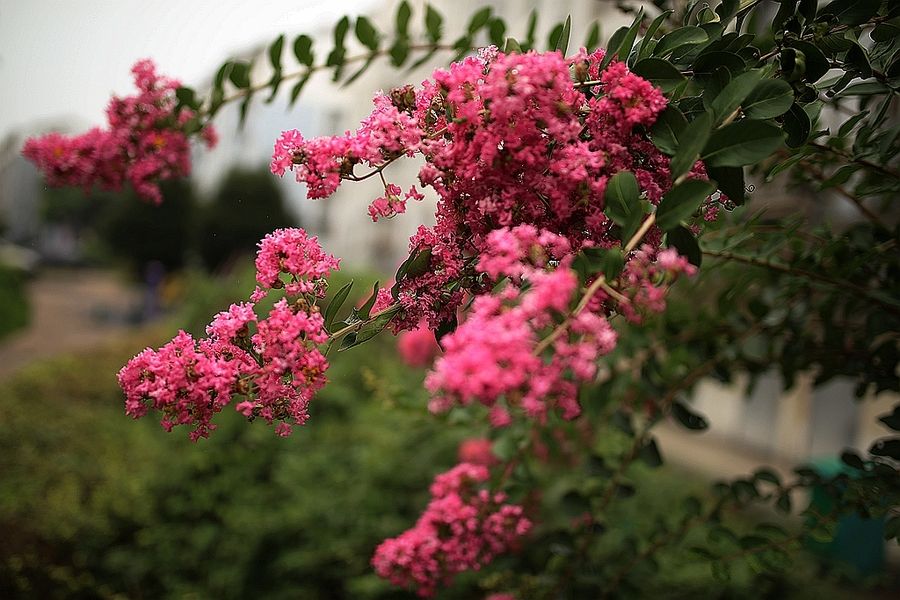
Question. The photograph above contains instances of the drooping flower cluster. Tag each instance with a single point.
(463, 528)
(499, 356)
(145, 142)
(275, 371)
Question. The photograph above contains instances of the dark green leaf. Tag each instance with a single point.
(734, 94)
(614, 42)
(681, 202)
(730, 181)
(363, 311)
(401, 21)
(660, 73)
(892, 419)
(497, 31)
(303, 50)
(298, 87)
(816, 63)
(613, 263)
(706, 64)
(366, 33)
(668, 126)
(433, 24)
(691, 142)
(511, 46)
(593, 37)
(275, 51)
(647, 42)
(334, 306)
(649, 453)
(683, 36)
(850, 12)
(852, 459)
(623, 202)
(562, 41)
(688, 418)
(743, 143)
(888, 447)
(419, 265)
(770, 98)
(797, 125)
(683, 240)
(445, 327)
(240, 74)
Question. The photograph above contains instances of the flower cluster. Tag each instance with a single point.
(507, 139)
(499, 357)
(275, 371)
(146, 141)
(417, 347)
(463, 528)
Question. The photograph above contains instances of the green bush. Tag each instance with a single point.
(14, 311)
(247, 206)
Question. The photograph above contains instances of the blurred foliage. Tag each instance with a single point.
(14, 305)
(248, 205)
(94, 506)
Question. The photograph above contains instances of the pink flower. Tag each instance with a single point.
(417, 347)
(463, 528)
(146, 142)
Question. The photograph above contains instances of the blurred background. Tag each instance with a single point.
(93, 504)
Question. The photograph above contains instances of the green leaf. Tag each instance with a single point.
(187, 97)
(815, 62)
(511, 46)
(336, 56)
(797, 125)
(298, 87)
(734, 94)
(275, 51)
(593, 37)
(369, 330)
(649, 453)
(681, 202)
(433, 24)
(668, 126)
(730, 181)
(623, 50)
(684, 242)
(743, 143)
(497, 31)
(613, 263)
(366, 33)
(691, 142)
(850, 12)
(401, 20)
(419, 265)
(770, 98)
(887, 447)
(688, 418)
(660, 73)
(240, 74)
(646, 47)
(614, 41)
(622, 203)
(480, 19)
(334, 306)
(684, 36)
(364, 311)
(528, 44)
(562, 42)
(303, 50)
(706, 64)
(892, 419)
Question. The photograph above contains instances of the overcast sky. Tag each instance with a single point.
(61, 59)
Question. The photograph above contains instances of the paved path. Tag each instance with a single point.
(71, 309)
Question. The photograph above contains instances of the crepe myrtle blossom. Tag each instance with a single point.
(506, 140)
(464, 527)
(271, 364)
(146, 141)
